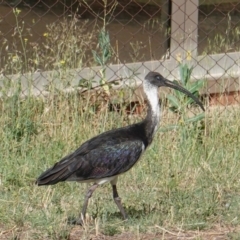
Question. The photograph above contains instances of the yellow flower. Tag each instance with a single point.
(105, 86)
(62, 62)
(189, 55)
(45, 34)
(25, 39)
(16, 11)
(15, 58)
(179, 57)
(35, 61)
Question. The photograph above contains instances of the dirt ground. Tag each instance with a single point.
(217, 233)
(78, 232)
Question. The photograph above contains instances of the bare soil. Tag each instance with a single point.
(216, 233)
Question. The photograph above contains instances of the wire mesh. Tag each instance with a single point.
(60, 42)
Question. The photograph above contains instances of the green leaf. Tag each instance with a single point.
(97, 58)
(85, 83)
(168, 128)
(173, 101)
(178, 93)
(181, 72)
(105, 47)
(189, 101)
(196, 118)
(174, 109)
(196, 86)
(106, 55)
(185, 74)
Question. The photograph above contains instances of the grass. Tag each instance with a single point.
(192, 185)
(178, 186)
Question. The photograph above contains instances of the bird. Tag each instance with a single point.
(105, 157)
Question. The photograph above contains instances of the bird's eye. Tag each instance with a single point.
(158, 77)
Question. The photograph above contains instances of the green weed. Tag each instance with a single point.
(192, 186)
(187, 185)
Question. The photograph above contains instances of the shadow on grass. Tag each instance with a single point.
(132, 213)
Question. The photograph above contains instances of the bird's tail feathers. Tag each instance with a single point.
(59, 172)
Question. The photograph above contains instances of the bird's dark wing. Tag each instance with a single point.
(104, 160)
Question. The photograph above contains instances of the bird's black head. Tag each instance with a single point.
(156, 79)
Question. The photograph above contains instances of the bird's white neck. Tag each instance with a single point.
(153, 114)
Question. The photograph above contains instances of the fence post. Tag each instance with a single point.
(184, 28)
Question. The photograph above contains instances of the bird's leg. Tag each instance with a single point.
(117, 200)
(82, 216)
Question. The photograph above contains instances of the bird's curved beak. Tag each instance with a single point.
(173, 85)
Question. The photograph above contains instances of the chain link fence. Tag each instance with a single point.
(86, 43)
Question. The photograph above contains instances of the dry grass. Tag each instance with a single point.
(186, 189)
(186, 184)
